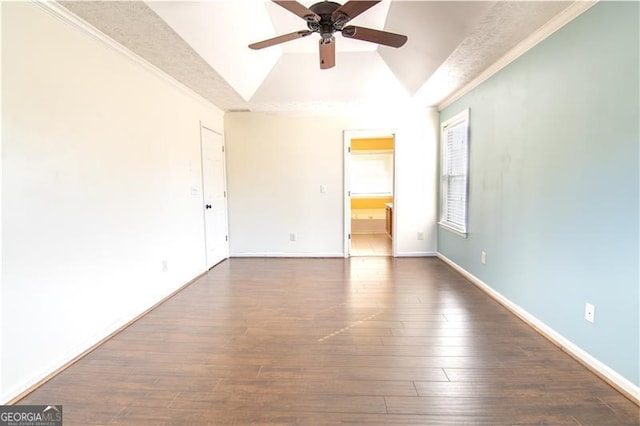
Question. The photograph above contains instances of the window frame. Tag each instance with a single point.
(445, 177)
(386, 157)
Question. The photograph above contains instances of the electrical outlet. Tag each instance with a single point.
(590, 313)
(165, 265)
(483, 257)
(292, 237)
(420, 236)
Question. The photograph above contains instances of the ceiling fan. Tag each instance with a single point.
(328, 17)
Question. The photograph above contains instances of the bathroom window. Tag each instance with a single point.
(455, 173)
(372, 173)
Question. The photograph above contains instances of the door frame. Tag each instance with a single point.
(347, 135)
(224, 183)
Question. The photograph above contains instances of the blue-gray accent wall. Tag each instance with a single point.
(554, 183)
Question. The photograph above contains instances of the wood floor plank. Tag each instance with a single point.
(321, 387)
(376, 341)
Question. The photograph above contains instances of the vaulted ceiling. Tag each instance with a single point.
(203, 45)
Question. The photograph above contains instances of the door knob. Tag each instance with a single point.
(207, 206)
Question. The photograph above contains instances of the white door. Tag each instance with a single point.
(214, 195)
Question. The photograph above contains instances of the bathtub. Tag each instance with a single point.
(368, 221)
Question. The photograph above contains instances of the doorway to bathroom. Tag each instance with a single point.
(369, 193)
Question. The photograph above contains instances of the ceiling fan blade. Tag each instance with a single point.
(298, 9)
(351, 9)
(327, 53)
(374, 36)
(280, 39)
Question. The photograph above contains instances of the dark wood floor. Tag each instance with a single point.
(330, 341)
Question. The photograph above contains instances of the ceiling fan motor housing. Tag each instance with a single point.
(326, 26)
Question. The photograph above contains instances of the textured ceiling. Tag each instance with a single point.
(135, 26)
(203, 44)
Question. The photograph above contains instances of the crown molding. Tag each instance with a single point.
(553, 25)
(56, 10)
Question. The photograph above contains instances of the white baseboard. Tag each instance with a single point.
(276, 255)
(615, 379)
(417, 254)
(317, 255)
(57, 366)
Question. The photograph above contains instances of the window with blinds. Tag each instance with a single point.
(455, 173)
(372, 173)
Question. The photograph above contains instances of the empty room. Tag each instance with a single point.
(302, 212)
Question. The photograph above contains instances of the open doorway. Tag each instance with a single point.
(369, 193)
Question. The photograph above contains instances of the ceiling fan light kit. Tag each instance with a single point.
(327, 18)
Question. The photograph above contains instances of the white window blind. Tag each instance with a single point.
(372, 173)
(455, 172)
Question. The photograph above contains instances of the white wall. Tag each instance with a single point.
(1, 199)
(100, 155)
(277, 162)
